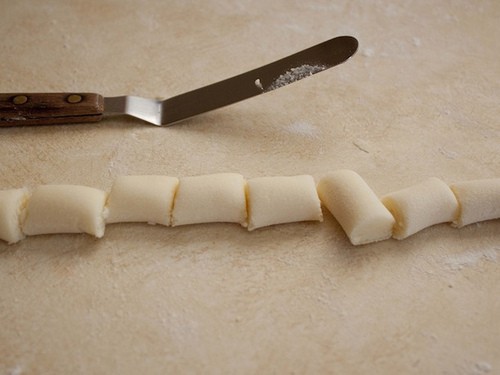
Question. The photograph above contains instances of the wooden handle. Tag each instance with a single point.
(53, 108)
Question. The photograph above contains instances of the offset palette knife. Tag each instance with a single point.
(66, 108)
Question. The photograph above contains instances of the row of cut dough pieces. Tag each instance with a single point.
(365, 218)
(224, 197)
(271, 200)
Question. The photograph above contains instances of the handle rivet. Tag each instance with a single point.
(19, 99)
(74, 98)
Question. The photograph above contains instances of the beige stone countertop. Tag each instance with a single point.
(419, 99)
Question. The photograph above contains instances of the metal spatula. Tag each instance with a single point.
(66, 108)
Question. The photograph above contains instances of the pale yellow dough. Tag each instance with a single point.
(420, 206)
(279, 200)
(478, 200)
(210, 198)
(142, 199)
(356, 207)
(259, 202)
(12, 206)
(65, 209)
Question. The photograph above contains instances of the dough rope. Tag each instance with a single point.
(253, 203)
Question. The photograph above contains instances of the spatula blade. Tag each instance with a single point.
(258, 81)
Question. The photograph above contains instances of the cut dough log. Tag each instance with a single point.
(65, 209)
(279, 200)
(142, 199)
(12, 209)
(420, 206)
(264, 201)
(210, 198)
(356, 207)
(478, 200)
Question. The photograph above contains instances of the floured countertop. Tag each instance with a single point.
(419, 99)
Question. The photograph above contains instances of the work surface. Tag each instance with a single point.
(419, 99)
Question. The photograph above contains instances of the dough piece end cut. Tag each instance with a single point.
(356, 207)
(478, 200)
(12, 211)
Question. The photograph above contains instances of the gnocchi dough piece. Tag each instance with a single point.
(65, 209)
(210, 198)
(478, 200)
(279, 200)
(12, 208)
(142, 199)
(356, 207)
(420, 206)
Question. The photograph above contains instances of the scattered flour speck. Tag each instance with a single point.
(449, 154)
(368, 52)
(483, 367)
(295, 74)
(259, 84)
(471, 258)
(302, 128)
(15, 371)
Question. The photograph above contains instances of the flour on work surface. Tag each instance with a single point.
(368, 52)
(302, 128)
(482, 367)
(471, 258)
(448, 153)
(15, 370)
(295, 74)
